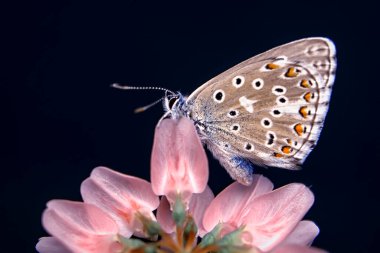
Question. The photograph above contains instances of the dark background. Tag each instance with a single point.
(61, 119)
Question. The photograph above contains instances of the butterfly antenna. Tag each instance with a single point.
(144, 108)
(126, 87)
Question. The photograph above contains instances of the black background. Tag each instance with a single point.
(61, 119)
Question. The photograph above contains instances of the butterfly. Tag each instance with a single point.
(268, 110)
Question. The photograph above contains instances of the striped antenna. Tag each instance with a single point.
(126, 87)
(144, 108)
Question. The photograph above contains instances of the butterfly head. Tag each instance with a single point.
(174, 104)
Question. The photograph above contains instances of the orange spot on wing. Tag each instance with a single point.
(307, 97)
(289, 141)
(299, 129)
(278, 155)
(305, 84)
(291, 72)
(286, 149)
(303, 111)
(272, 66)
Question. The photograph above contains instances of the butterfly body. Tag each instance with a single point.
(268, 110)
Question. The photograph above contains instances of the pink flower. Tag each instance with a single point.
(51, 244)
(303, 234)
(253, 218)
(296, 249)
(179, 163)
(267, 216)
(78, 227)
(122, 197)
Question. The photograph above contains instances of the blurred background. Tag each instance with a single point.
(60, 118)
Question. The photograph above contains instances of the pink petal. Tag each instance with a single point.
(304, 234)
(274, 215)
(297, 249)
(197, 207)
(121, 196)
(179, 162)
(81, 227)
(230, 206)
(51, 245)
(164, 216)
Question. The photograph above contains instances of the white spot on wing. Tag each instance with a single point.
(316, 50)
(247, 103)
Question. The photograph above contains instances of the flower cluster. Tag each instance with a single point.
(122, 213)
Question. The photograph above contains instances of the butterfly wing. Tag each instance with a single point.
(268, 109)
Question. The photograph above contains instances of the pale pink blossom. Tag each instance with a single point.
(123, 197)
(79, 228)
(303, 234)
(293, 248)
(254, 219)
(51, 244)
(267, 216)
(179, 164)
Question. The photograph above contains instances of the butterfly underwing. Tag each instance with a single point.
(268, 110)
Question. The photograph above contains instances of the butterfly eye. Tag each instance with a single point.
(171, 102)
